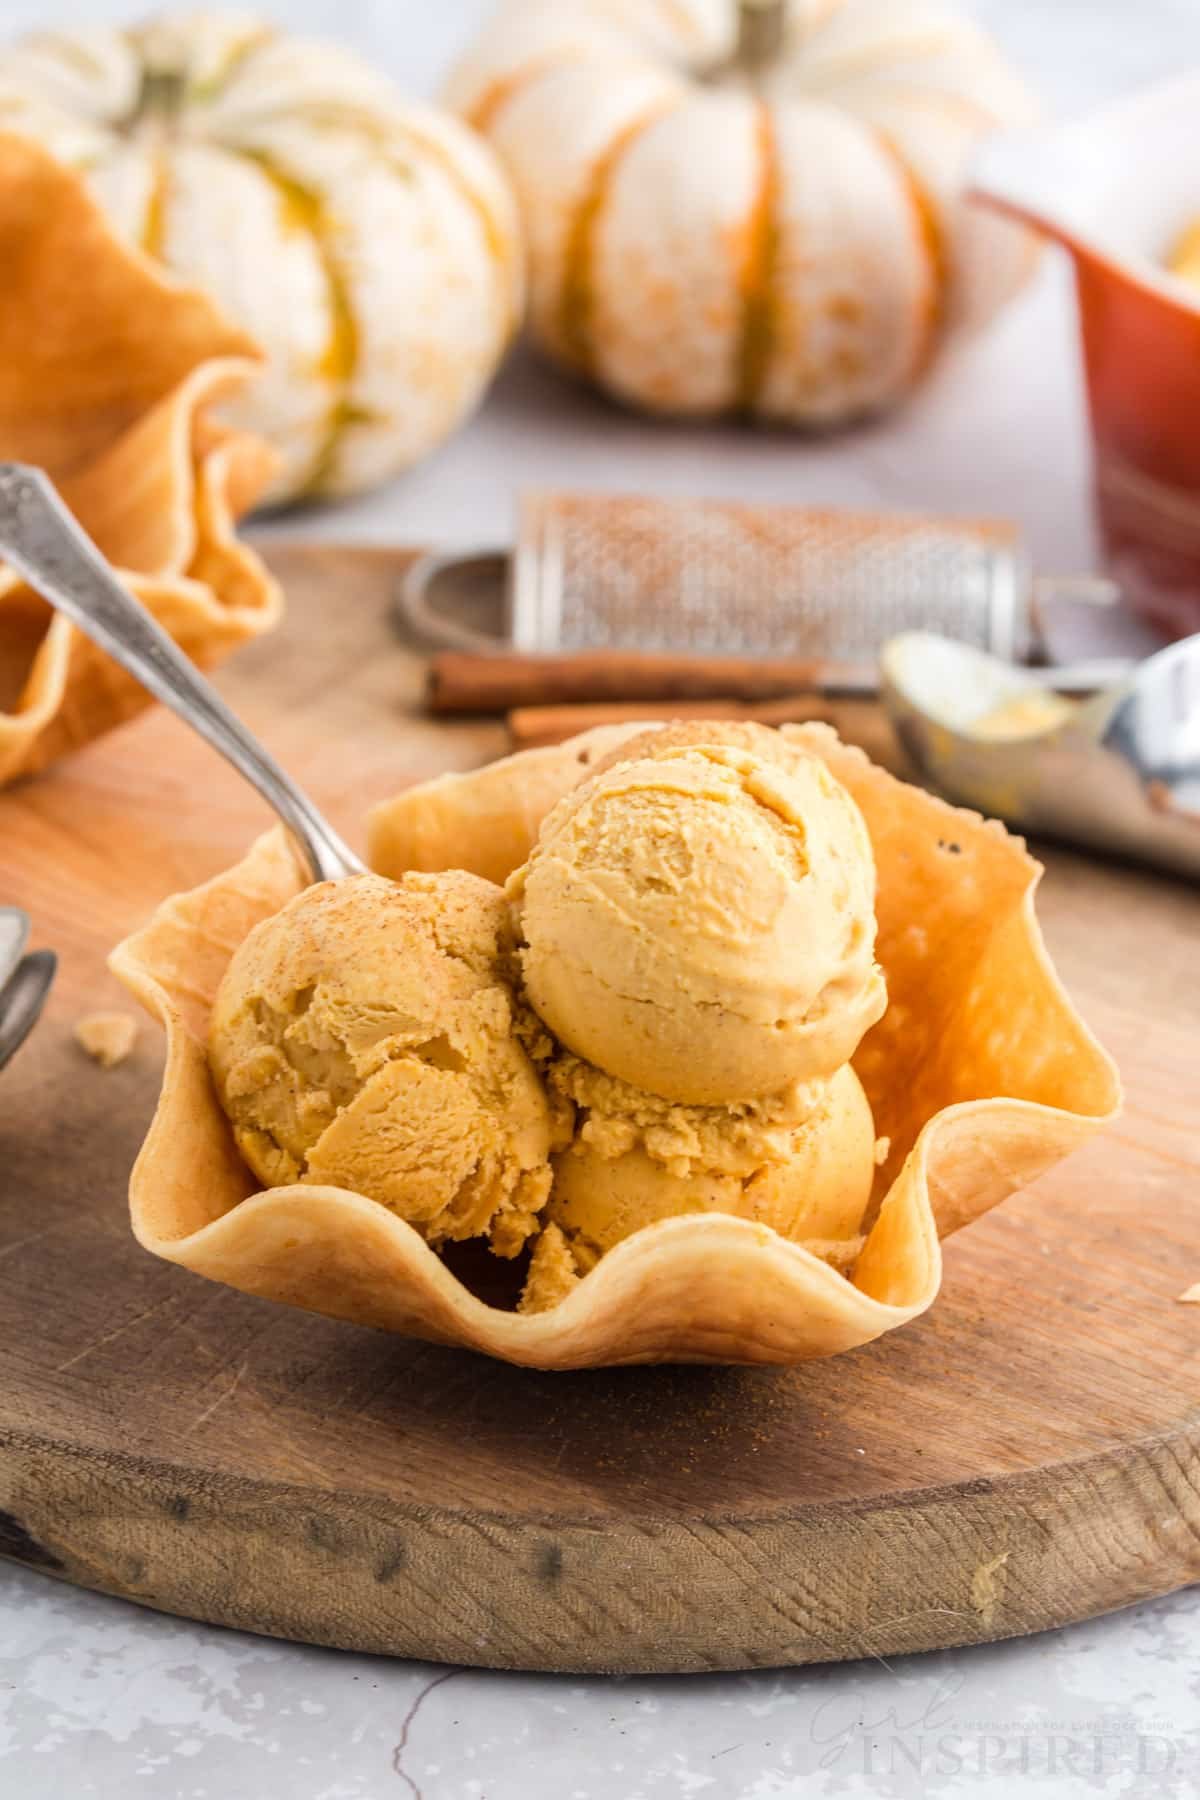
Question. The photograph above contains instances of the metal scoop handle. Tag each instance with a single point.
(45, 544)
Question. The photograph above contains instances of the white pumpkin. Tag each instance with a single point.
(370, 246)
(781, 234)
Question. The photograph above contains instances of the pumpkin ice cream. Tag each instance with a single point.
(801, 1162)
(698, 928)
(700, 923)
(366, 1037)
(980, 1075)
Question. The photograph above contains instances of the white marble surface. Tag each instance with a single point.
(99, 1699)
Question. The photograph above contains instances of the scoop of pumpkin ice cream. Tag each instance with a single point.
(366, 1037)
(693, 734)
(612, 1117)
(700, 922)
(803, 1165)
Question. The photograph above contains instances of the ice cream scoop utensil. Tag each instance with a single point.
(1119, 773)
(43, 542)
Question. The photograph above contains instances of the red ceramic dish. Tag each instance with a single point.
(1117, 189)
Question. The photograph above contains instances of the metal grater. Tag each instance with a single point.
(596, 571)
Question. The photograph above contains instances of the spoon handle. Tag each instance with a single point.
(44, 543)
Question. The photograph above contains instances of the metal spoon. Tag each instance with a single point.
(45, 544)
(22, 998)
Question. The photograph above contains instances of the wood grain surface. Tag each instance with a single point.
(1026, 1454)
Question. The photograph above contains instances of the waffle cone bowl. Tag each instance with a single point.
(109, 374)
(980, 1075)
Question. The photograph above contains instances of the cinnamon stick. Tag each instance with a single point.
(460, 682)
(858, 721)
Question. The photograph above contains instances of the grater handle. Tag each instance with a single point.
(1082, 677)
(416, 606)
(1087, 590)
(1079, 590)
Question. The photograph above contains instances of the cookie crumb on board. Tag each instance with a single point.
(1191, 1294)
(108, 1037)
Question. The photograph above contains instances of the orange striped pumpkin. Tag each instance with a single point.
(370, 246)
(788, 242)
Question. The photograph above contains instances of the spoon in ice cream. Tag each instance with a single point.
(42, 541)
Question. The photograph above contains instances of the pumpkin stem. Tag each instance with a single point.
(160, 96)
(761, 29)
(760, 33)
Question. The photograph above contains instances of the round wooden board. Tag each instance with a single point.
(1026, 1454)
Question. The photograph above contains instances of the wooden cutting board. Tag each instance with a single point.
(1027, 1453)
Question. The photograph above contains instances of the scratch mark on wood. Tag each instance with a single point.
(110, 1336)
(300, 1463)
(225, 1394)
(20, 1243)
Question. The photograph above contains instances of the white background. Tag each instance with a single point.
(100, 1700)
